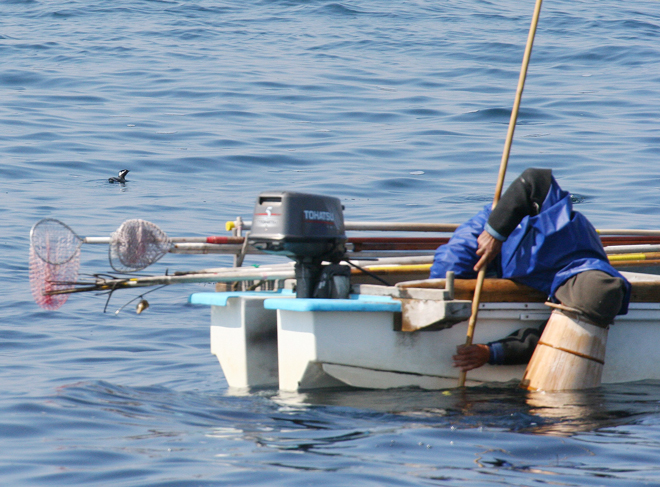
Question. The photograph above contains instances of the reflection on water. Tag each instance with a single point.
(498, 406)
(566, 413)
(571, 412)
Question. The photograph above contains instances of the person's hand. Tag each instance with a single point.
(488, 248)
(470, 357)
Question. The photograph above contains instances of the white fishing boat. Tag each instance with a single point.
(273, 339)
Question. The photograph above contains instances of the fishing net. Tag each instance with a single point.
(54, 261)
(53, 241)
(137, 244)
(46, 277)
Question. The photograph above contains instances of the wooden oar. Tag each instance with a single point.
(502, 173)
(431, 243)
(628, 231)
(356, 244)
(630, 240)
(373, 226)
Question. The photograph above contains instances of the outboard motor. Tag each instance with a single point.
(309, 229)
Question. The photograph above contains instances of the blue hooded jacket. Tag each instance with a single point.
(542, 252)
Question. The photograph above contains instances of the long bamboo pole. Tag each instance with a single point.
(372, 226)
(375, 226)
(503, 165)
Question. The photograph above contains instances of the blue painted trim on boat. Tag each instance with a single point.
(359, 303)
(283, 300)
(220, 299)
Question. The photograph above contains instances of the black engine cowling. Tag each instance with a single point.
(307, 228)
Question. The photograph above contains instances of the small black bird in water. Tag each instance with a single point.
(121, 178)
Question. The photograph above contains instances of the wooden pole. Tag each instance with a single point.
(503, 165)
(380, 226)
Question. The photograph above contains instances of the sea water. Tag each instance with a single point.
(398, 108)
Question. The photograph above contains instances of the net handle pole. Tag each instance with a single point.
(96, 240)
(503, 166)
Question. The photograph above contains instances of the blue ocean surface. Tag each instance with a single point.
(398, 108)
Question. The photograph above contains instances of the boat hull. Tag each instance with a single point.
(270, 340)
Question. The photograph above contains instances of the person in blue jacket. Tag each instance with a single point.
(534, 237)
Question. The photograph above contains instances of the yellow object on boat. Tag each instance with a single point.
(396, 269)
(624, 257)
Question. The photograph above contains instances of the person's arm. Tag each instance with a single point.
(515, 349)
(523, 198)
(459, 254)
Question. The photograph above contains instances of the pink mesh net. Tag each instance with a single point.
(45, 277)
